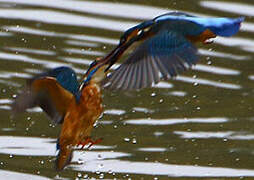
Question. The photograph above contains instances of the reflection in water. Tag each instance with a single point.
(206, 135)
(114, 112)
(208, 82)
(152, 149)
(215, 70)
(21, 176)
(244, 44)
(222, 55)
(175, 121)
(65, 18)
(246, 9)
(103, 8)
(119, 166)
(29, 146)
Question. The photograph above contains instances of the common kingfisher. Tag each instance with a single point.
(160, 48)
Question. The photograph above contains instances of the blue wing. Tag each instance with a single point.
(164, 55)
(65, 76)
(52, 91)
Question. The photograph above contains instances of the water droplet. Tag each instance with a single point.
(195, 84)
(38, 172)
(158, 133)
(79, 175)
(155, 178)
(11, 156)
(209, 62)
(42, 162)
(100, 166)
(14, 95)
(194, 76)
(153, 94)
(161, 101)
(134, 141)
(237, 159)
(115, 126)
(225, 139)
(110, 171)
(198, 108)
(97, 172)
(99, 156)
(85, 176)
(80, 161)
(146, 158)
(101, 176)
(126, 139)
(28, 118)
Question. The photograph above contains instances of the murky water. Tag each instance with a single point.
(199, 125)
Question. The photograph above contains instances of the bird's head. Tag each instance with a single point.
(136, 33)
(132, 35)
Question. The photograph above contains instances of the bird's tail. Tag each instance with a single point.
(64, 156)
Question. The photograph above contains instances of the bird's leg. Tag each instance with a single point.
(94, 142)
(89, 141)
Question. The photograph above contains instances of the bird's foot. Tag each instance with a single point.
(89, 141)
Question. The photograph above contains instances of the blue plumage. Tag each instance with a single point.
(219, 26)
(166, 48)
(66, 77)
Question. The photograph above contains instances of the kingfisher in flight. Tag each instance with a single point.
(155, 49)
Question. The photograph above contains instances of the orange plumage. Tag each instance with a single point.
(78, 122)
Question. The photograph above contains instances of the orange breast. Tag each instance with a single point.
(81, 116)
(78, 122)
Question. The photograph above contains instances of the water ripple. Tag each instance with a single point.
(21, 176)
(176, 121)
(171, 170)
(208, 82)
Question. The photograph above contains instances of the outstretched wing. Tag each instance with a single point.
(164, 55)
(65, 76)
(52, 91)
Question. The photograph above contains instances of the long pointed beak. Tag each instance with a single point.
(113, 56)
(109, 60)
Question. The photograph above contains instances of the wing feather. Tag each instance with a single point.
(168, 53)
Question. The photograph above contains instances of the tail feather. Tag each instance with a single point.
(226, 26)
(64, 156)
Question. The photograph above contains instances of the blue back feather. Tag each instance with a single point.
(219, 26)
(66, 77)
